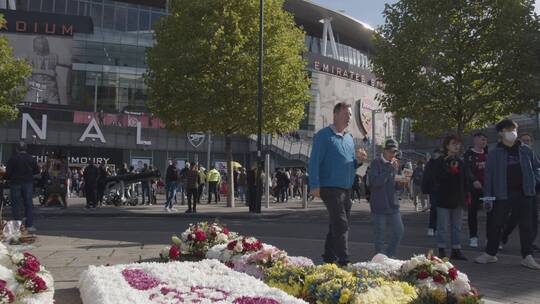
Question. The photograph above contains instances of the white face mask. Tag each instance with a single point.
(510, 136)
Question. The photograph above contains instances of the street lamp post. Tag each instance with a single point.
(258, 199)
(373, 125)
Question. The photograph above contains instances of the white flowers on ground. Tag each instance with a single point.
(208, 281)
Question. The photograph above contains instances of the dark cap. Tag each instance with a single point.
(391, 144)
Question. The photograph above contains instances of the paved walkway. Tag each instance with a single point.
(69, 240)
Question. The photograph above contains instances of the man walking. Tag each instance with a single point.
(191, 185)
(213, 181)
(90, 184)
(384, 203)
(332, 167)
(20, 171)
(416, 183)
(511, 176)
(171, 180)
(475, 163)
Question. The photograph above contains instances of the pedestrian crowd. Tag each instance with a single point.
(503, 181)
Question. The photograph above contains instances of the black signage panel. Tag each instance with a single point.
(45, 23)
(77, 156)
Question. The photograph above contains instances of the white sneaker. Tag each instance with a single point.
(530, 263)
(31, 229)
(501, 247)
(430, 232)
(173, 210)
(486, 259)
(473, 242)
(168, 210)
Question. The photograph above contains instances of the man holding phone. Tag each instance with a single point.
(332, 168)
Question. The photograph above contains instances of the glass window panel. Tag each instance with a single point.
(96, 14)
(22, 5)
(108, 17)
(144, 20)
(47, 6)
(72, 7)
(60, 6)
(83, 9)
(133, 20)
(155, 18)
(35, 5)
(120, 19)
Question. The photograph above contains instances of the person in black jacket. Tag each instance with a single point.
(192, 181)
(90, 175)
(20, 171)
(101, 183)
(171, 180)
(450, 178)
(429, 187)
(475, 162)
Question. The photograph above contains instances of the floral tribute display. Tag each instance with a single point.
(207, 281)
(195, 242)
(421, 280)
(23, 279)
(438, 280)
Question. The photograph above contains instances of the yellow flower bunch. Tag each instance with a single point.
(390, 292)
(329, 284)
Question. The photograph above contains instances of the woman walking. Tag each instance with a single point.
(450, 178)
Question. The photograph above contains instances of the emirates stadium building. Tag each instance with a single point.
(86, 94)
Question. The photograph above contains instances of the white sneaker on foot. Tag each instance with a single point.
(430, 232)
(473, 242)
(530, 263)
(173, 210)
(31, 229)
(168, 210)
(486, 259)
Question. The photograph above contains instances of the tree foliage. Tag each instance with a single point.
(458, 64)
(202, 72)
(13, 73)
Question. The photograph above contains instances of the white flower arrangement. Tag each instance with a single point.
(208, 281)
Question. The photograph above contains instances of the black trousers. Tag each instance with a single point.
(472, 212)
(513, 221)
(521, 206)
(100, 192)
(433, 202)
(146, 192)
(338, 204)
(192, 194)
(212, 189)
(91, 195)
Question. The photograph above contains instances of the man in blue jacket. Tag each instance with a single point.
(512, 173)
(332, 168)
(384, 202)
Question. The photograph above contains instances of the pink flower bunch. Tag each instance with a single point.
(139, 279)
(245, 245)
(27, 273)
(267, 257)
(200, 237)
(6, 296)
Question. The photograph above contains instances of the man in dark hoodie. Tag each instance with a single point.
(383, 202)
(512, 174)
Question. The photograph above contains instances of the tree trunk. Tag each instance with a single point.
(460, 129)
(230, 175)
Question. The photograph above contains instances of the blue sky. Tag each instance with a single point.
(368, 11)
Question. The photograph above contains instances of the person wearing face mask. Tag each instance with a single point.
(526, 140)
(450, 177)
(512, 173)
(475, 163)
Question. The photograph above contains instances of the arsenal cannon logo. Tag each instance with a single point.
(196, 139)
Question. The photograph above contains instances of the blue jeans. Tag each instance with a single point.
(454, 218)
(381, 221)
(21, 197)
(171, 192)
(242, 193)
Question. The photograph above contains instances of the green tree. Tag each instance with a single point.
(202, 71)
(458, 64)
(13, 72)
